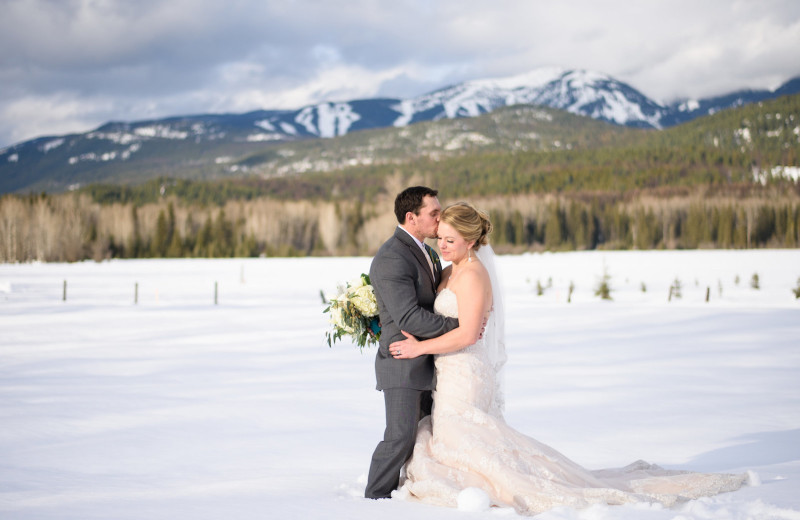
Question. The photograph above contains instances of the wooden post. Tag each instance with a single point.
(216, 292)
(136, 293)
(64, 297)
(670, 294)
(708, 293)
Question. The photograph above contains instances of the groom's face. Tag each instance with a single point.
(426, 224)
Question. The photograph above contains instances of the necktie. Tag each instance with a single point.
(428, 257)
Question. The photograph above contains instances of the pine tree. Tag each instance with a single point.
(175, 248)
(202, 246)
(159, 244)
(553, 233)
(137, 245)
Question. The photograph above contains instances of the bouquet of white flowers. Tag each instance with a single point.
(354, 312)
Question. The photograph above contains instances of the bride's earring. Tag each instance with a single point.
(469, 255)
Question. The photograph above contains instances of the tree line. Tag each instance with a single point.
(650, 223)
(73, 226)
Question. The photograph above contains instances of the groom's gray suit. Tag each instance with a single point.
(406, 289)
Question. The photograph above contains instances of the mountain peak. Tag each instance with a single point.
(579, 91)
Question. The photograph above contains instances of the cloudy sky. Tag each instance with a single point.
(71, 65)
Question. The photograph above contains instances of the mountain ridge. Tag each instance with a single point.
(208, 142)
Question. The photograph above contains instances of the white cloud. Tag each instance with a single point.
(35, 116)
(78, 63)
(333, 83)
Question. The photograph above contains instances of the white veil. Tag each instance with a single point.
(495, 333)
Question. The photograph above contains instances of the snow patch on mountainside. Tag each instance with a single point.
(162, 131)
(463, 140)
(122, 138)
(327, 119)
(266, 125)
(288, 129)
(50, 145)
(261, 137)
(106, 156)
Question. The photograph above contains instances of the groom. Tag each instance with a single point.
(405, 273)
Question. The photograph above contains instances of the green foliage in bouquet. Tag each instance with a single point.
(354, 312)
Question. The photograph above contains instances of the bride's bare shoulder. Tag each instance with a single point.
(475, 275)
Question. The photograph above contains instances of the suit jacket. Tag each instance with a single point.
(406, 289)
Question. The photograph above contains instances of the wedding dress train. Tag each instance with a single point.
(466, 443)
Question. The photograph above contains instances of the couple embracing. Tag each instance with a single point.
(439, 363)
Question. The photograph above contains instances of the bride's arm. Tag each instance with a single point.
(472, 306)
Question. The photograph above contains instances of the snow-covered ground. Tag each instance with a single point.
(179, 408)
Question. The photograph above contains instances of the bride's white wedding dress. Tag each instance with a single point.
(466, 443)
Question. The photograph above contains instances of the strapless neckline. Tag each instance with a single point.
(446, 303)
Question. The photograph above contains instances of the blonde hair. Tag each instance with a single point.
(470, 222)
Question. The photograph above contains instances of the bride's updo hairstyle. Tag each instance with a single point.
(470, 222)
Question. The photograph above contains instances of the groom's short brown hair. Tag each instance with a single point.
(411, 199)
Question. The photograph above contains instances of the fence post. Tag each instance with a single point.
(136, 293)
(708, 293)
(64, 296)
(216, 292)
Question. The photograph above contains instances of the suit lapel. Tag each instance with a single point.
(406, 239)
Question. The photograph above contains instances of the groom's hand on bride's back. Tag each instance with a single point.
(405, 349)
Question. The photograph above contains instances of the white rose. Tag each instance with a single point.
(356, 283)
(364, 300)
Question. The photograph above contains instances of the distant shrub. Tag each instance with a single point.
(675, 289)
(754, 282)
(603, 289)
(796, 289)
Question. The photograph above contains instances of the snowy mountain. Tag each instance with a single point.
(685, 110)
(173, 143)
(576, 91)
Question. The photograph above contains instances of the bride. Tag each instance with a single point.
(467, 444)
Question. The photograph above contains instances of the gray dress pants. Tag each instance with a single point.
(404, 409)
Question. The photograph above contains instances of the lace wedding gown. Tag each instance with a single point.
(466, 443)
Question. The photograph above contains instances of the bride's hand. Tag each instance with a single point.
(405, 349)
